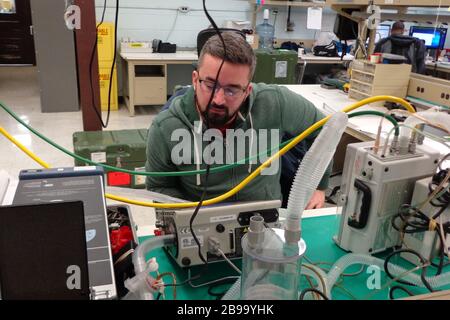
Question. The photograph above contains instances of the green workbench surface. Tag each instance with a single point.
(318, 234)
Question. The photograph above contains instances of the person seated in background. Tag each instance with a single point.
(413, 49)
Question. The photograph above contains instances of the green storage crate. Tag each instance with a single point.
(275, 66)
(121, 148)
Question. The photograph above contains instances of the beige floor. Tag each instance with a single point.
(19, 91)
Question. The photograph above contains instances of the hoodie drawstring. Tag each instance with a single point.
(251, 141)
(251, 136)
(197, 150)
(197, 147)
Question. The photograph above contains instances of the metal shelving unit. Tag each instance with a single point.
(299, 4)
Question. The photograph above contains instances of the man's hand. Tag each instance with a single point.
(317, 200)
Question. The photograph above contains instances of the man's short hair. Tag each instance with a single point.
(237, 49)
(398, 26)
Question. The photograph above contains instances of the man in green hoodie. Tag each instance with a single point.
(242, 120)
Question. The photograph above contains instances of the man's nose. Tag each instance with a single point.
(219, 96)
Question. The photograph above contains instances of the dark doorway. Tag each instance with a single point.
(16, 33)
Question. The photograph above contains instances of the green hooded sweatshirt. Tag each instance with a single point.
(269, 107)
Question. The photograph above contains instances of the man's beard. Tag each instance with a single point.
(216, 119)
(217, 115)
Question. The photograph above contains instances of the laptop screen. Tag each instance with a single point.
(43, 252)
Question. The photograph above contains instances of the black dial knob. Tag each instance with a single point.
(186, 261)
(220, 228)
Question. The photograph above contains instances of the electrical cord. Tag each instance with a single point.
(160, 174)
(229, 278)
(192, 278)
(418, 225)
(394, 288)
(174, 282)
(444, 248)
(439, 194)
(439, 191)
(428, 122)
(336, 174)
(428, 135)
(378, 136)
(346, 291)
(187, 281)
(111, 74)
(333, 192)
(317, 264)
(415, 221)
(304, 292)
(206, 115)
(154, 174)
(244, 182)
(423, 262)
(229, 261)
(142, 173)
(319, 276)
(443, 200)
(380, 114)
(124, 256)
(311, 285)
(224, 196)
(116, 23)
(194, 215)
(220, 198)
(221, 283)
(396, 279)
(442, 161)
(313, 265)
(91, 63)
(173, 25)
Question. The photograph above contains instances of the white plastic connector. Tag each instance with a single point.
(184, 9)
(292, 232)
(136, 283)
(213, 245)
(161, 287)
(153, 266)
(256, 231)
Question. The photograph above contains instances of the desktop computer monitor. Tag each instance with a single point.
(383, 31)
(434, 37)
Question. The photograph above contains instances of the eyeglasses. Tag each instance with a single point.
(229, 91)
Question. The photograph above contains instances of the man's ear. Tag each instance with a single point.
(249, 89)
(194, 78)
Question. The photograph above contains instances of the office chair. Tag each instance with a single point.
(205, 34)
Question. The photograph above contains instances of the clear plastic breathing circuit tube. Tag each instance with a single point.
(313, 167)
(351, 259)
(137, 284)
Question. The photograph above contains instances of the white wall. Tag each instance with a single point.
(145, 20)
(154, 19)
(160, 19)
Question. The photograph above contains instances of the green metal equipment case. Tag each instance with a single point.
(122, 148)
(275, 66)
